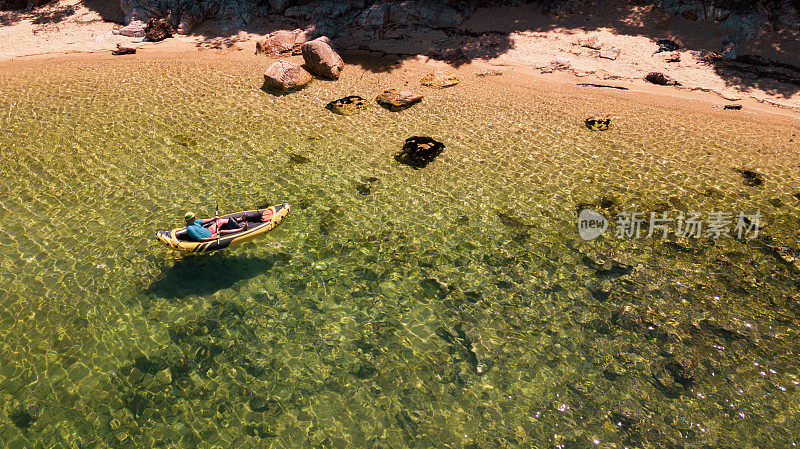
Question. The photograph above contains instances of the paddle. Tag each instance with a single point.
(216, 218)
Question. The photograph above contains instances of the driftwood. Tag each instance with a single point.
(123, 51)
(602, 85)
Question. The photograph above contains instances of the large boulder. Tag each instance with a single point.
(158, 30)
(321, 59)
(394, 100)
(281, 41)
(285, 75)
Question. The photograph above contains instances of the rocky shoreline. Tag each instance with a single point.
(735, 54)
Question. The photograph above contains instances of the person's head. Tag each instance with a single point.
(189, 217)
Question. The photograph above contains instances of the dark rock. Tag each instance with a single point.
(723, 329)
(681, 371)
(365, 186)
(296, 159)
(601, 85)
(259, 430)
(625, 421)
(598, 124)
(667, 45)
(734, 107)
(123, 50)
(184, 140)
(419, 151)
(607, 268)
(394, 100)
(751, 178)
(22, 418)
(600, 290)
(329, 220)
(665, 382)
(349, 105)
(730, 51)
(689, 15)
(260, 404)
(158, 30)
(507, 218)
(661, 79)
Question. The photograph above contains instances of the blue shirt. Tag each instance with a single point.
(197, 231)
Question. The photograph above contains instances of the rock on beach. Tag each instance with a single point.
(286, 76)
(321, 59)
(395, 100)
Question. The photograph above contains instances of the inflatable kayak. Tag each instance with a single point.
(178, 239)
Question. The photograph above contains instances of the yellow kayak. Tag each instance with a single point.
(178, 239)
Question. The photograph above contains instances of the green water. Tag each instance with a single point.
(453, 306)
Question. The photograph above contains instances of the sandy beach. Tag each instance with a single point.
(607, 47)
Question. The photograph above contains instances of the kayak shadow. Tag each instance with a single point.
(207, 274)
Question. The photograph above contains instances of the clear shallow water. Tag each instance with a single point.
(453, 306)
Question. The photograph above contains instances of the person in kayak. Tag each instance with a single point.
(199, 233)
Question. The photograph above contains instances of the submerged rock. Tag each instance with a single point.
(329, 220)
(598, 124)
(508, 218)
(439, 79)
(22, 418)
(297, 159)
(751, 178)
(365, 186)
(395, 100)
(158, 30)
(349, 105)
(286, 76)
(661, 79)
(321, 59)
(419, 151)
(184, 140)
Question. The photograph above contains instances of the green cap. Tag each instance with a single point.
(188, 215)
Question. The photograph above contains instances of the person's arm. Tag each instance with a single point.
(210, 238)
